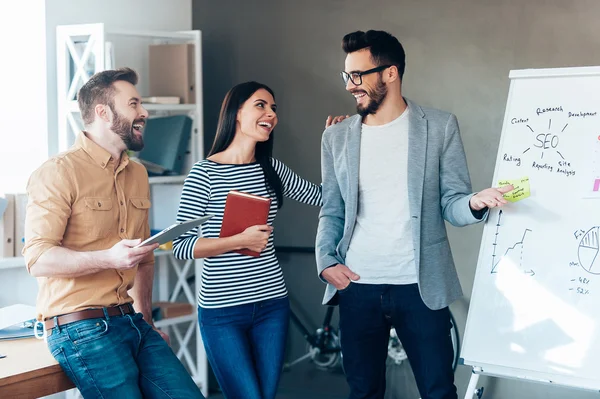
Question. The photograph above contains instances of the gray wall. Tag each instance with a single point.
(459, 54)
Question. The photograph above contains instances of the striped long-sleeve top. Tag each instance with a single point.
(233, 279)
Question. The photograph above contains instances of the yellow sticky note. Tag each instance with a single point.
(521, 189)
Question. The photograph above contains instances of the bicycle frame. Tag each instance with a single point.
(315, 339)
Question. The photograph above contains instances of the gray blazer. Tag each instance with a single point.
(439, 189)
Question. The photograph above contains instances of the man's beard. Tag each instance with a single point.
(376, 97)
(124, 129)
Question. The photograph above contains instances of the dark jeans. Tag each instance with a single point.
(245, 345)
(120, 357)
(367, 313)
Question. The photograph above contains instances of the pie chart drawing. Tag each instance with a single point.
(589, 251)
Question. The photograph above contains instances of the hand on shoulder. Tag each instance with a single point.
(332, 120)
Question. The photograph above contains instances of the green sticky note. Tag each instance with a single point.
(521, 189)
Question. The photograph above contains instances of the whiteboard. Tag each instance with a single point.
(535, 305)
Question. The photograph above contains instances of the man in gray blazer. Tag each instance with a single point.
(391, 175)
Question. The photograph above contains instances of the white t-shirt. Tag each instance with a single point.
(381, 250)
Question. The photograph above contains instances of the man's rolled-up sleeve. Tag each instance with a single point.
(50, 197)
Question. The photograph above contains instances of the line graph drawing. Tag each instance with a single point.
(588, 250)
(514, 252)
(495, 244)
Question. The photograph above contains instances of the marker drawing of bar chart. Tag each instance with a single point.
(591, 182)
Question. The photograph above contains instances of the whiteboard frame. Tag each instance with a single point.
(491, 370)
(551, 73)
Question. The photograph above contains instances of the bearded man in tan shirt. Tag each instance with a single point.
(87, 210)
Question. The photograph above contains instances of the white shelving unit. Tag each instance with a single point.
(93, 57)
(87, 48)
(12, 262)
(166, 179)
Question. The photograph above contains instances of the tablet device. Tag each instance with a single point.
(174, 231)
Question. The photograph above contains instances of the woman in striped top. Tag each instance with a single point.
(243, 307)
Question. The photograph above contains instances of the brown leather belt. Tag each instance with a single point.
(97, 313)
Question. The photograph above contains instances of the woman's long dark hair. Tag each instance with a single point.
(235, 98)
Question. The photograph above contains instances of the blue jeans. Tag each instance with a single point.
(367, 312)
(245, 345)
(120, 357)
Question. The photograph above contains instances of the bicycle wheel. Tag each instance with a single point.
(330, 358)
(397, 354)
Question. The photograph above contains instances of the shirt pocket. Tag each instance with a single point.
(138, 215)
(99, 216)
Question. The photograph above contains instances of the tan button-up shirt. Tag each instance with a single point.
(80, 201)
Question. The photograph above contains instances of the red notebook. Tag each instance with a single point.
(243, 210)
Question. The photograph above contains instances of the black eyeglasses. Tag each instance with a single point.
(356, 77)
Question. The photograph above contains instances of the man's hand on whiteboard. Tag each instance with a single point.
(490, 197)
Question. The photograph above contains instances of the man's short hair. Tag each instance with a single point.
(100, 90)
(385, 48)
